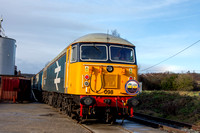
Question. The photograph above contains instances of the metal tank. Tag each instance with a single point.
(7, 55)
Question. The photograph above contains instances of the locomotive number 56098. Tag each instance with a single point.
(108, 92)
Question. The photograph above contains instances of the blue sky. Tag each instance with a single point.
(158, 28)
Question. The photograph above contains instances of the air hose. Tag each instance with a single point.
(101, 84)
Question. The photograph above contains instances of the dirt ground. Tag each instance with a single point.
(35, 118)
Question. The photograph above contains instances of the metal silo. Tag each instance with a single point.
(7, 56)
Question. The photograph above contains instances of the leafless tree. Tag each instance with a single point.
(115, 33)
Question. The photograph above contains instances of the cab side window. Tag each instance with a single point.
(74, 53)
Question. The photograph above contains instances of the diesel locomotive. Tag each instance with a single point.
(95, 77)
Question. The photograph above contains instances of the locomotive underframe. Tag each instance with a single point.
(70, 105)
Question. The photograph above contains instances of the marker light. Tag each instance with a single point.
(130, 78)
(86, 83)
(87, 77)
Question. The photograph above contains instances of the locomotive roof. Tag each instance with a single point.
(102, 38)
(95, 37)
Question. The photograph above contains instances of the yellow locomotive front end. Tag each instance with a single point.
(100, 67)
(106, 79)
(102, 70)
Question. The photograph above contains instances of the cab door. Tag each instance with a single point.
(67, 70)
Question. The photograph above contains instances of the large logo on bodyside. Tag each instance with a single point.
(132, 87)
(57, 70)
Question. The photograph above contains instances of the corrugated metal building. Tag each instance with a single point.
(12, 87)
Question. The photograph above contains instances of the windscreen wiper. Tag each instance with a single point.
(96, 48)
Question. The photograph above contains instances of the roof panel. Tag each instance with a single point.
(101, 37)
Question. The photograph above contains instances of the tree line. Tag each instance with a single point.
(170, 81)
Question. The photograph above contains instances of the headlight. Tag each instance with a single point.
(88, 101)
(110, 68)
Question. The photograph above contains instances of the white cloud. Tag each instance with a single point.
(161, 68)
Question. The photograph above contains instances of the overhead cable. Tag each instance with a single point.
(171, 56)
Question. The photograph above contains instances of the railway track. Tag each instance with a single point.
(164, 124)
(107, 128)
(149, 121)
(96, 126)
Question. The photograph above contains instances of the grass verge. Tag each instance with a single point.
(170, 105)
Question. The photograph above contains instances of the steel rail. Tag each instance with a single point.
(176, 123)
(163, 124)
(155, 125)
